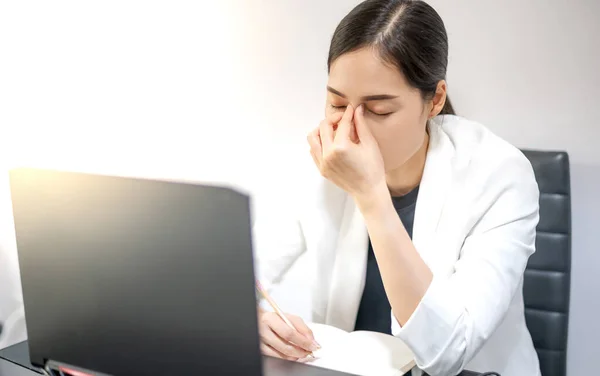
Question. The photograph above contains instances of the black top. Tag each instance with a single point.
(374, 312)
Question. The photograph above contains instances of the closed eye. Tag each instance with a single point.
(377, 114)
(374, 113)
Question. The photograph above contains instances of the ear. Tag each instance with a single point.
(439, 99)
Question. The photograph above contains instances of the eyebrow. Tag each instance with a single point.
(378, 97)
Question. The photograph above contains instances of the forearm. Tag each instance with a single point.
(405, 275)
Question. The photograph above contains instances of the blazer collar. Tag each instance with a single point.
(349, 269)
(433, 192)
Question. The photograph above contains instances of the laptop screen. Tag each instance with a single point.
(131, 276)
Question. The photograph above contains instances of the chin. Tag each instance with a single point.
(396, 165)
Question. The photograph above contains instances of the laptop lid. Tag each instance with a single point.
(129, 276)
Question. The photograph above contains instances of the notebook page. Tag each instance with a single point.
(386, 349)
(341, 352)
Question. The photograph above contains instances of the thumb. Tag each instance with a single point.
(362, 130)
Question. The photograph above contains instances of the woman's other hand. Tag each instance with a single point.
(281, 341)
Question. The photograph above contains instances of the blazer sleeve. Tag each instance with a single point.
(278, 242)
(12, 315)
(459, 313)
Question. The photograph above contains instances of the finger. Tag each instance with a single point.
(301, 326)
(269, 351)
(316, 151)
(362, 130)
(293, 336)
(345, 125)
(283, 346)
(315, 159)
(335, 118)
(270, 338)
(326, 132)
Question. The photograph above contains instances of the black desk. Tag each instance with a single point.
(14, 358)
(13, 361)
(10, 369)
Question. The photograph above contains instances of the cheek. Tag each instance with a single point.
(399, 137)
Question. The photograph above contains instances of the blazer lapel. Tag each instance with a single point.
(349, 269)
(433, 192)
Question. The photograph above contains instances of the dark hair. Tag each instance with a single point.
(408, 34)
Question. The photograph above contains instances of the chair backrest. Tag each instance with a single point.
(548, 274)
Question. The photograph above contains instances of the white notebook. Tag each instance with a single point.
(361, 353)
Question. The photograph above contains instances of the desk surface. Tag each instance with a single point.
(11, 357)
(273, 367)
(10, 369)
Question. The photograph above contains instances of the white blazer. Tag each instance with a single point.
(12, 314)
(474, 226)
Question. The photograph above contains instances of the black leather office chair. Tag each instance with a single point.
(548, 275)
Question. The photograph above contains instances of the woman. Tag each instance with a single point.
(420, 223)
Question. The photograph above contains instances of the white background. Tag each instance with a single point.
(226, 91)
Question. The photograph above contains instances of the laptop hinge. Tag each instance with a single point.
(54, 368)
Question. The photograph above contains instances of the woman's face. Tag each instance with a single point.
(395, 112)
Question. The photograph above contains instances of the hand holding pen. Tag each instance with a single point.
(284, 336)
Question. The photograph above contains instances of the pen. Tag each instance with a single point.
(276, 308)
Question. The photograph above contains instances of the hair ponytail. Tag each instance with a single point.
(447, 109)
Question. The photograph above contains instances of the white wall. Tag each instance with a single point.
(227, 91)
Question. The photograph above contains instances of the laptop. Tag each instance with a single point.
(131, 276)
